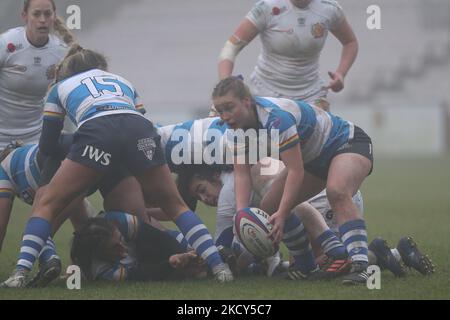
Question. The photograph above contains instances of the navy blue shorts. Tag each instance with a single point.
(360, 144)
(120, 140)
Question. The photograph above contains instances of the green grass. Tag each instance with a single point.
(402, 197)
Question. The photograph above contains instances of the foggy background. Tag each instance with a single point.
(398, 90)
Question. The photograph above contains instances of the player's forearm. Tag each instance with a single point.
(291, 191)
(48, 143)
(225, 68)
(348, 57)
(243, 185)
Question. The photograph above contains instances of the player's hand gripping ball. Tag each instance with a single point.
(252, 227)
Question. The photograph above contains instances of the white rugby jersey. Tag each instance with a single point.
(226, 203)
(25, 74)
(292, 39)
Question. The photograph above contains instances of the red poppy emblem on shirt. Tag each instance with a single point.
(276, 11)
(11, 47)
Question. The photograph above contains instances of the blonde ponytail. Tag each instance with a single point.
(63, 32)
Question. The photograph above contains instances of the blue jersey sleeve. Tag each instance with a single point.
(127, 224)
(115, 272)
(286, 129)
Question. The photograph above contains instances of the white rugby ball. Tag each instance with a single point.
(252, 227)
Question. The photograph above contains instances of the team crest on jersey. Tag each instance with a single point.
(318, 30)
(37, 61)
(50, 72)
(148, 146)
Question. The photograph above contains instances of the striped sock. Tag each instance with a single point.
(331, 245)
(36, 232)
(177, 235)
(199, 238)
(296, 240)
(354, 235)
(48, 251)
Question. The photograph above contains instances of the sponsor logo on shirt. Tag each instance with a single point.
(19, 68)
(276, 11)
(11, 47)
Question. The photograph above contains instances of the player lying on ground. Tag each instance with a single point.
(116, 246)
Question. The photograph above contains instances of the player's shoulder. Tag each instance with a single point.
(12, 40)
(272, 7)
(326, 6)
(57, 43)
(13, 34)
(329, 3)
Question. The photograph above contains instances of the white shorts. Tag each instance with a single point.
(320, 202)
(317, 97)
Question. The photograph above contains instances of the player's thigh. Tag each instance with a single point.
(71, 180)
(160, 188)
(346, 173)
(311, 185)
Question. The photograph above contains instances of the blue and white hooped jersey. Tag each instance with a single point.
(128, 226)
(193, 135)
(20, 174)
(91, 94)
(319, 133)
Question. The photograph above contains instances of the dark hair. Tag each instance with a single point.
(201, 171)
(26, 5)
(88, 240)
(235, 84)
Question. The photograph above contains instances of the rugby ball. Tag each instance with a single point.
(252, 227)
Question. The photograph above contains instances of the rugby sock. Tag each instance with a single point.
(354, 235)
(48, 251)
(331, 245)
(177, 235)
(296, 240)
(199, 238)
(36, 233)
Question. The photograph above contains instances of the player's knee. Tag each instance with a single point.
(338, 197)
